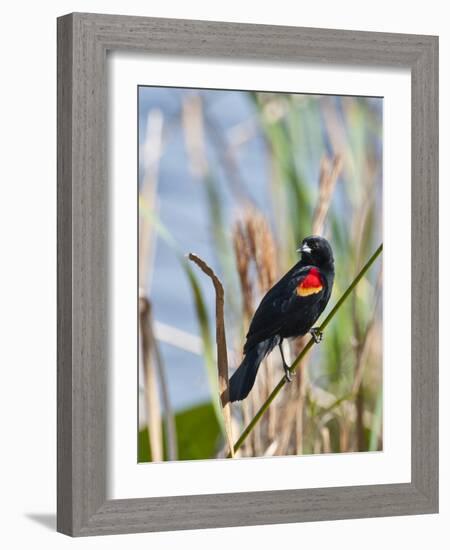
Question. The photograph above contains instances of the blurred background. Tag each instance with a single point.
(240, 178)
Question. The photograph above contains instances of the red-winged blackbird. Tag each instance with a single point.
(290, 308)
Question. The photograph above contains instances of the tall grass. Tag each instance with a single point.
(323, 157)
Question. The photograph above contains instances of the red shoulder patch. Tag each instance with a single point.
(311, 284)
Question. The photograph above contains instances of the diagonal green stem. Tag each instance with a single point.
(305, 350)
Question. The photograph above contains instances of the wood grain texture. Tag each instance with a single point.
(64, 294)
(83, 318)
(425, 260)
(82, 275)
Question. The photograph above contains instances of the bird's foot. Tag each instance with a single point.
(288, 373)
(317, 334)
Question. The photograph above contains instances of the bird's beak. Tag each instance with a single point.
(304, 249)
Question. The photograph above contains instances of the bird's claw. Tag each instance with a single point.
(317, 334)
(288, 374)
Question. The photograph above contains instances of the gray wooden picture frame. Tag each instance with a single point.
(83, 42)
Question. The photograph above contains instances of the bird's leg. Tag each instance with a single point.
(317, 334)
(287, 372)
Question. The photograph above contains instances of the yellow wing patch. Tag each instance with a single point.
(308, 291)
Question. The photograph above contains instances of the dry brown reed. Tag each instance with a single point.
(193, 126)
(152, 364)
(151, 155)
(257, 265)
(151, 352)
(154, 421)
(330, 170)
(242, 254)
(363, 335)
(222, 355)
(329, 174)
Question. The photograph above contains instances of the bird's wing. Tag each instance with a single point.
(281, 300)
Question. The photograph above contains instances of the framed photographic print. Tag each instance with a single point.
(247, 274)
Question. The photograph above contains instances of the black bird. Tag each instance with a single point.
(290, 308)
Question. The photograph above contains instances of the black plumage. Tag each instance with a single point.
(289, 309)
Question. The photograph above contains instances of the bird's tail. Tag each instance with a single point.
(244, 377)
